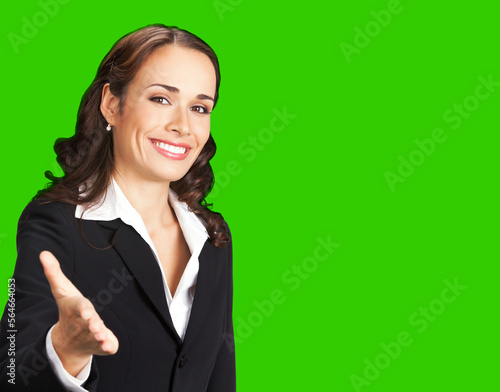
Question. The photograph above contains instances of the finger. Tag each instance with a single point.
(60, 285)
(110, 345)
(103, 335)
(85, 309)
(96, 325)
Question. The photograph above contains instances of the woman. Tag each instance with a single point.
(123, 280)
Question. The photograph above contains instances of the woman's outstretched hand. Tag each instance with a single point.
(80, 332)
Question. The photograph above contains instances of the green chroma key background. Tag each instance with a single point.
(356, 166)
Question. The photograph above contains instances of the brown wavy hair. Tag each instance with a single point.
(87, 156)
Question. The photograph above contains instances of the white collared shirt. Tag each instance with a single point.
(116, 205)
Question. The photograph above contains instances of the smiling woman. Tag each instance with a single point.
(138, 60)
(124, 275)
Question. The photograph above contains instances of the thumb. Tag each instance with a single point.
(60, 285)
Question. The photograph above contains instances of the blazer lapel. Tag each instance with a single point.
(209, 277)
(140, 260)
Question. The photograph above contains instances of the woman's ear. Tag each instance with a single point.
(109, 105)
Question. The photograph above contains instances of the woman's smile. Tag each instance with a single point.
(170, 149)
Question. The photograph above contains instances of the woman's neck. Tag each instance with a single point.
(149, 198)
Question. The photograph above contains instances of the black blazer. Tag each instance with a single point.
(124, 283)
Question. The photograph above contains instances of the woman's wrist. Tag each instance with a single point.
(72, 361)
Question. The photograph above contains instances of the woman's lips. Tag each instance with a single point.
(170, 149)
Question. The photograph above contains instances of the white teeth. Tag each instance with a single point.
(169, 148)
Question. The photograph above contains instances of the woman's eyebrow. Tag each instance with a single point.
(172, 89)
(203, 96)
(175, 90)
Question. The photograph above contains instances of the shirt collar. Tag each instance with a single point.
(114, 204)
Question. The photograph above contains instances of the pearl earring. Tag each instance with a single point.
(108, 128)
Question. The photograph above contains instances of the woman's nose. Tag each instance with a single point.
(179, 122)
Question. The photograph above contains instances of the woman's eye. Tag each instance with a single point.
(200, 109)
(159, 99)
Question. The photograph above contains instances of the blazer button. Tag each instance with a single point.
(183, 361)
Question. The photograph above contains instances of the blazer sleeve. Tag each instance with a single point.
(223, 378)
(41, 227)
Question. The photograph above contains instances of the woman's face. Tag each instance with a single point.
(165, 120)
